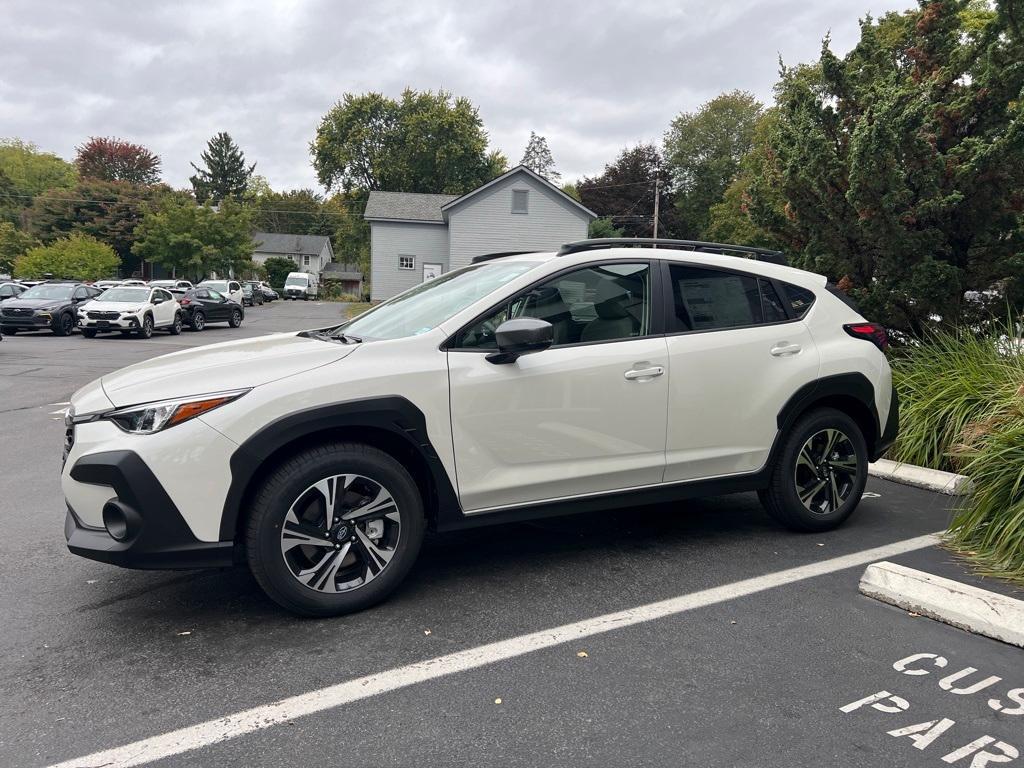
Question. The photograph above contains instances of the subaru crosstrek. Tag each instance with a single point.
(516, 387)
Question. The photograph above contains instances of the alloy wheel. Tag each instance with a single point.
(826, 471)
(340, 533)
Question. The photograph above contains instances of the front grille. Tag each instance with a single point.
(17, 312)
(69, 442)
(94, 315)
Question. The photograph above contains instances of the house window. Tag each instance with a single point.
(520, 200)
(407, 262)
(305, 260)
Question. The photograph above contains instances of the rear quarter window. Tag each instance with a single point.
(799, 299)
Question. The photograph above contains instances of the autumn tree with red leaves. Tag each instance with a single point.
(109, 159)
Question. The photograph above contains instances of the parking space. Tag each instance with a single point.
(97, 657)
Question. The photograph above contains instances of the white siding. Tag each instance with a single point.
(427, 242)
(486, 224)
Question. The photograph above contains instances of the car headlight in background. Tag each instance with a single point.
(148, 418)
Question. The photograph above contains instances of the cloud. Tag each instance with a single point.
(592, 77)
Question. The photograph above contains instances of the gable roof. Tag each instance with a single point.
(517, 170)
(406, 206)
(274, 242)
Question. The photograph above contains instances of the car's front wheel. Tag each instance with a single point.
(334, 529)
(820, 474)
(89, 333)
(65, 325)
(236, 319)
(8, 330)
(146, 331)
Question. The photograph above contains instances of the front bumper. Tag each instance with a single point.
(157, 536)
(34, 322)
(121, 323)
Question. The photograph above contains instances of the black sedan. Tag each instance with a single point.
(203, 305)
(51, 305)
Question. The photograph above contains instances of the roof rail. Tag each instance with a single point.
(725, 249)
(502, 254)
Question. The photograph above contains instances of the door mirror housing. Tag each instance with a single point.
(158, 299)
(521, 336)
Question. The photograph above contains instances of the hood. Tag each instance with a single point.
(220, 367)
(36, 303)
(111, 306)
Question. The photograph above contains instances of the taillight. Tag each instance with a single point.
(873, 332)
(184, 301)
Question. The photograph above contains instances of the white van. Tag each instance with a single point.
(301, 285)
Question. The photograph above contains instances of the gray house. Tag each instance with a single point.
(311, 253)
(416, 237)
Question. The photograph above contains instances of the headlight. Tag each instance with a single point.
(148, 418)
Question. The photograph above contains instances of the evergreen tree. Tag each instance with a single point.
(225, 175)
(538, 159)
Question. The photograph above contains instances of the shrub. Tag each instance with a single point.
(962, 409)
(79, 257)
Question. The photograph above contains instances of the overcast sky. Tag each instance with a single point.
(592, 77)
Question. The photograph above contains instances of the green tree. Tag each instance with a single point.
(26, 172)
(13, 243)
(604, 228)
(296, 212)
(704, 149)
(224, 175)
(538, 158)
(426, 141)
(78, 257)
(624, 193)
(277, 268)
(117, 160)
(106, 210)
(902, 163)
(195, 240)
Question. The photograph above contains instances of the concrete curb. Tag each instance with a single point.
(931, 479)
(959, 605)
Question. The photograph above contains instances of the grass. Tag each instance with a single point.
(962, 409)
(356, 308)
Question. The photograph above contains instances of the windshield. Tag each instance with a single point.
(296, 281)
(49, 291)
(428, 305)
(125, 294)
(219, 285)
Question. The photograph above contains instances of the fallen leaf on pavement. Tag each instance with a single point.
(497, 701)
(582, 654)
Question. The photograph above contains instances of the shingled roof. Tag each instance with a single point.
(406, 206)
(272, 242)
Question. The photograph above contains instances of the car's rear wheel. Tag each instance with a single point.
(335, 529)
(175, 327)
(65, 325)
(89, 333)
(198, 321)
(146, 331)
(236, 318)
(820, 474)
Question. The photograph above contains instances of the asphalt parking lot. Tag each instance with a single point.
(97, 657)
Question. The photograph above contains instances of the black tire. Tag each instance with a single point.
(175, 327)
(847, 464)
(236, 318)
(287, 485)
(146, 331)
(8, 330)
(89, 333)
(198, 321)
(126, 334)
(65, 325)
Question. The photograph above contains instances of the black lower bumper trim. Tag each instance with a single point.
(891, 429)
(162, 539)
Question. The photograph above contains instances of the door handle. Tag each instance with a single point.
(644, 374)
(782, 349)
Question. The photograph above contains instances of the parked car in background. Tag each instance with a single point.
(230, 288)
(51, 305)
(8, 290)
(301, 285)
(598, 376)
(104, 284)
(138, 309)
(204, 305)
(171, 285)
(251, 294)
(133, 281)
(269, 294)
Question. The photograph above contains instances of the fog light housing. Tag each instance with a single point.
(120, 520)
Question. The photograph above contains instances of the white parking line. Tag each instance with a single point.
(240, 723)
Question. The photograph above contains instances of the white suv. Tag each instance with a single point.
(130, 309)
(517, 387)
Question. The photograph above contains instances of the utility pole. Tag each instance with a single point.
(657, 196)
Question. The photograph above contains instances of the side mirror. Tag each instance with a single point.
(521, 336)
(158, 299)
